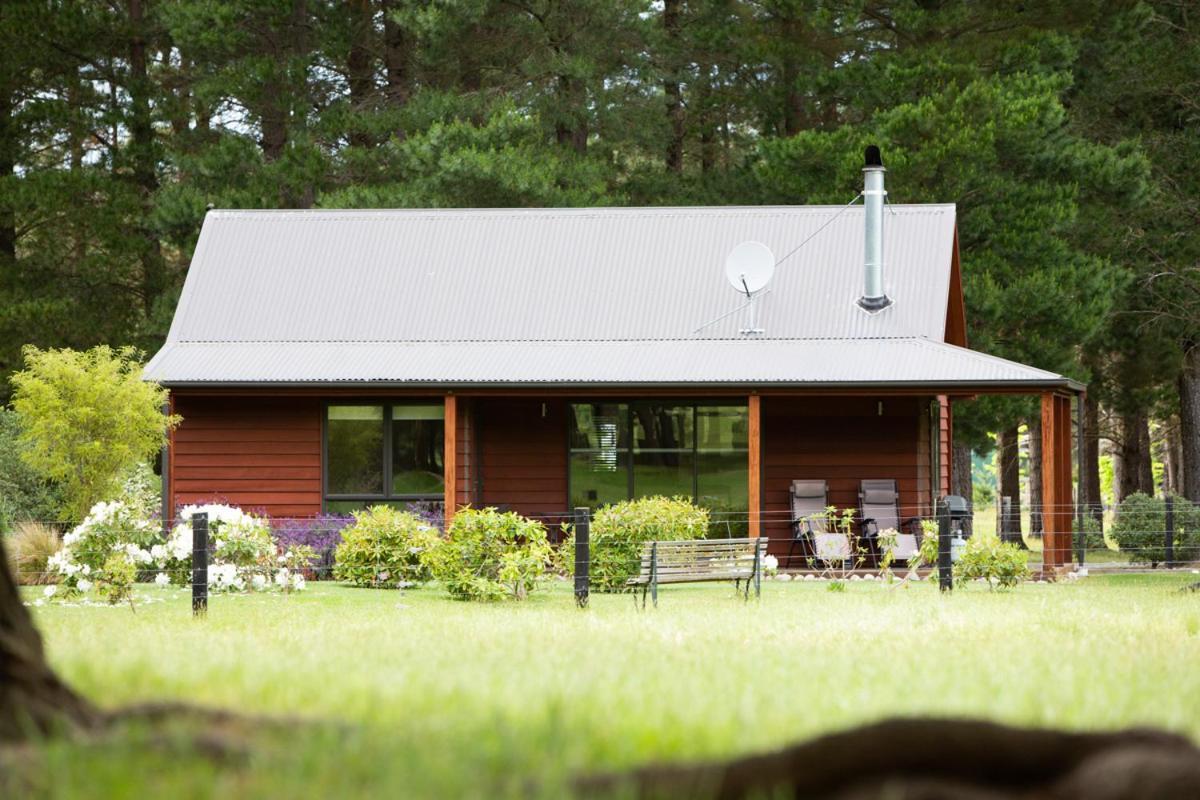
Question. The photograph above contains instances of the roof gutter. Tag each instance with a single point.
(970, 387)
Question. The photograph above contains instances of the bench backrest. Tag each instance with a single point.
(703, 557)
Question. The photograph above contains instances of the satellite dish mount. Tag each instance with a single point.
(749, 268)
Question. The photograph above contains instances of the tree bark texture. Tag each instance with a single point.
(1189, 424)
(359, 71)
(671, 87)
(33, 700)
(1008, 470)
(960, 479)
(143, 152)
(1091, 455)
(1134, 473)
(397, 75)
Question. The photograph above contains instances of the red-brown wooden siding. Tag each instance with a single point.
(945, 451)
(465, 447)
(522, 454)
(264, 453)
(842, 441)
(261, 454)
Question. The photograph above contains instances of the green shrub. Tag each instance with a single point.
(29, 548)
(999, 563)
(87, 418)
(1093, 535)
(488, 555)
(24, 495)
(618, 532)
(114, 580)
(383, 548)
(1141, 524)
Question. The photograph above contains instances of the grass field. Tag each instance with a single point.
(414, 695)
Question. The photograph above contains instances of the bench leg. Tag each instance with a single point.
(654, 592)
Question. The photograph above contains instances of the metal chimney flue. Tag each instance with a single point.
(873, 298)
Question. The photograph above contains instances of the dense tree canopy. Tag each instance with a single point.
(1064, 130)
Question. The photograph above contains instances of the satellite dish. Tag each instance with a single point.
(749, 267)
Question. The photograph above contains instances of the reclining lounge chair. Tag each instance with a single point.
(879, 509)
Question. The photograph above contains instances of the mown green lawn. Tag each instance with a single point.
(439, 698)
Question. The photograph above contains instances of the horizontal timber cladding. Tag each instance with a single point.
(522, 454)
(841, 441)
(259, 453)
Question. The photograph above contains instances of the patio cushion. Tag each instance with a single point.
(878, 497)
(809, 489)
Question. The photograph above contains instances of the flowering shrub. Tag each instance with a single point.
(242, 555)
(770, 566)
(488, 555)
(383, 549)
(322, 534)
(106, 549)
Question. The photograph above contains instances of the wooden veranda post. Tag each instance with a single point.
(754, 493)
(1057, 508)
(450, 456)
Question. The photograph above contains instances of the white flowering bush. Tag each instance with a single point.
(770, 566)
(242, 555)
(104, 551)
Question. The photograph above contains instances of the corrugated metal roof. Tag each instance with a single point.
(808, 362)
(552, 274)
(567, 296)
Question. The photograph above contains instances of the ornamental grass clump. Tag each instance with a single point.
(488, 555)
(383, 549)
(29, 548)
(619, 531)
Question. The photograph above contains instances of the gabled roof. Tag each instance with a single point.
(569, 296)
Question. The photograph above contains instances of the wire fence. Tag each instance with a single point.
(806, 542)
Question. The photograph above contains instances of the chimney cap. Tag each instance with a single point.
(873, 157)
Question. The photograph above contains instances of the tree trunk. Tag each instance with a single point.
(1008, 470)
(359, 74)
(572, 128)
(1036, 497)
(793, 99)
(1135, 473)
(395, 58)
(671, 87)
(143, 152)
(8, 165)
(1189, 424)
(960, 480)
(1091, 455)
(33, 701)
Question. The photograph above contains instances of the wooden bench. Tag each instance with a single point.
(700, 560)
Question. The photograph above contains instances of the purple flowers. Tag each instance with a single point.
(322, 533)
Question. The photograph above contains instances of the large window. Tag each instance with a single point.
(624, 450)
(383, 453)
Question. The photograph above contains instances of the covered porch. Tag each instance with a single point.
(544, 454)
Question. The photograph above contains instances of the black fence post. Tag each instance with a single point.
(199, 564)
(1169, 535)
(582, 555)
(945, 576)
